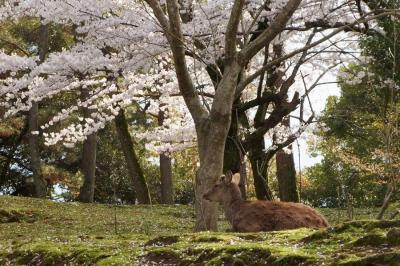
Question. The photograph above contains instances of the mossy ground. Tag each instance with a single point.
(41, 232)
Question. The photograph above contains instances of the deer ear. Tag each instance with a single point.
(236, 178)
(228, 177)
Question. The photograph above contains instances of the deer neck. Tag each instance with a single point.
(232, 203)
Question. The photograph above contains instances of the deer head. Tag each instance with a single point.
(223, 188)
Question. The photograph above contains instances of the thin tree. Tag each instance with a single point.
(88, 160)
(132, 161)
(167, 191)
(40, 184)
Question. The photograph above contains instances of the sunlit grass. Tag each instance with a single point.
(42, 232)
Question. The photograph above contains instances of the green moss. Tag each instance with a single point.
(367, 224)
(387, 259)
(212, 239)
(292, 260)
(121, 260)
(13, 216)
(245, 254)
(393, 236)
(162, 241)
(370, 240)
(318, 235)
(86, 234)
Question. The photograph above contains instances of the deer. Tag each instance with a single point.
(260, 215)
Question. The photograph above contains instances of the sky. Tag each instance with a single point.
(318, 98)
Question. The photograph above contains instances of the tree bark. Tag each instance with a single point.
(243, 180)
(233, 154)
(211, 135)
(167, 196)
(88, 161)
(165, 172)
(286, 173)
(260, 174)
(134, 169)
(40, 185)
(88, 166)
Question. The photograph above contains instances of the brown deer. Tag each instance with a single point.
(260, 215)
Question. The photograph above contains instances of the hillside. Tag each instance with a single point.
(42, 232)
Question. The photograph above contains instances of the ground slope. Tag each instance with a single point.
(41, 232)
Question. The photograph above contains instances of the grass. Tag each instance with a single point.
(42, 232)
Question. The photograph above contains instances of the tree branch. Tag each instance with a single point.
(267, 97)
(270, 33)
(242, 85)
(16, 160)
(232, 29)
(281, 110)
(173, 32)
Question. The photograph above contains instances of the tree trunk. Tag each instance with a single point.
(206, 211)
(88, 166)
(233, 154)
(286, 173)
(166, 179)
(167, 192)
(260, 174)
(39, 183)
(386, 201)
(132, 161)
(243, 180)
(88, 163)
(211, 137)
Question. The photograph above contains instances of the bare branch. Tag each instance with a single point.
(283, 109)
(267, 97)
(242, 85)
(232, 29)
(270, 33)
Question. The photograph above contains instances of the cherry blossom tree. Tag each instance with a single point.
(223, 52)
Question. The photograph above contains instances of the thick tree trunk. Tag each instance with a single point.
(88, 166)
(132, 161)
(260, 174)
(39, 183)
(211, 153)
(166, 179)
(167, 192)
(211, 136)
(286, 173)
(206, 211)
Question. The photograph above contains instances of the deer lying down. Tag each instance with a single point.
(260, 215)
